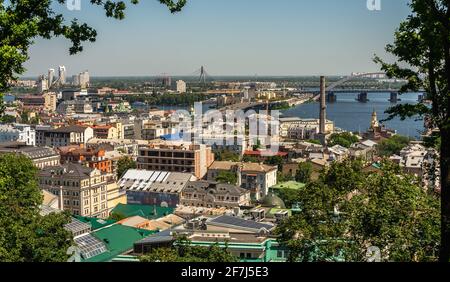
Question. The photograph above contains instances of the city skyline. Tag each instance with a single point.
(282, 38)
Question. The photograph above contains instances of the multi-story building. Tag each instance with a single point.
(214, 195)
(62, 75)
(51, 77)
(82, 189)
(126, 146)
(416, 159)
(46, 101)
(42, 84)
(93, 157)
(255, 177)
(105, 132)
(75, 107)
(154, 130)
(300, 128)
(219, 142)
(41, 156)
(176, 156)
(83, 79)
(181, 86)
(154, 187)
(18, 133)
(63, 136)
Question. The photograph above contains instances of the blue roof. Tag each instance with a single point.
(172, 137)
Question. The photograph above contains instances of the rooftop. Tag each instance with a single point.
(95, 223)
(289, 185)
(225, 165)
(145, 211)
(118, 239)
(154, 181)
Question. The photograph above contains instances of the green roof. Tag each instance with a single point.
(289, 185)
(275, 210)
(96, 223)
(118, 240)
(146, 211)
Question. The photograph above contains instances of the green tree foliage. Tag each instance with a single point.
(312, 141)
(183, 251)
(7, 119)
(226, 155)
(124, 164)
(393, 145)
(289, 196)
(347, 211)
(22, 21)
(275, 161)
(228, 177)
(257, 145)
(345, 139)
(117, 216)
(304, 172)
(25, 235)
(281, 177)
(422, 49)
(249, 159)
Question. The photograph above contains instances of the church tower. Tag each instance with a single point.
(374, 122)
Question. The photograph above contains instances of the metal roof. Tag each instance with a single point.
(90, 246)
(236, 222)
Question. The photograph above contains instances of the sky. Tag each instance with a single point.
(228, 37)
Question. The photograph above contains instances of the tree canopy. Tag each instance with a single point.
(124, 164)
(304, 172)
(392, 145)
(183, 251)
(345, 139)
(347, 211)
(228, 177)
(25, 235)
(422, 49)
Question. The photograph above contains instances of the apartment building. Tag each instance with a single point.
(254, 177)
(18, 133)
(211, 194)
(145, 187)
(40, 156)
(93, 157)
(176, 156)
(105, 132)
(63, 136)
(82, 190)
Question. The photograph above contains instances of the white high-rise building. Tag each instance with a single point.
(181, 86)
(62, 75)
(51, 77)
(76, 80)
(84, 79)
(42, 84)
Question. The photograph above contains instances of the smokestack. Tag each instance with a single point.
(323, 105)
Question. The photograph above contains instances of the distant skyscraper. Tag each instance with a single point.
(42, 84)
(76, 80)
(51, 77)
(84, 79)
(62, 75)
(181, 86)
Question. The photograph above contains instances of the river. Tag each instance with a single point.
(351, 115)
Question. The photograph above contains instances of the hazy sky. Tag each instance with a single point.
(229, 37)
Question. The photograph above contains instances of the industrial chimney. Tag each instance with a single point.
(323, 111)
